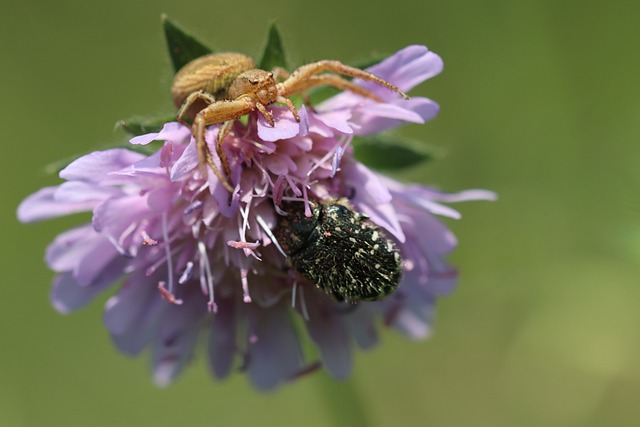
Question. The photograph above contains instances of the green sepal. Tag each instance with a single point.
(390, 152)
(273, 54)
(183, 47)
(140, 126)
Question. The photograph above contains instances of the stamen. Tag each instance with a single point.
(278, 190)
(279, 210)
(336, 161)
(167, 250)
(197, 204)
(293, 186)
(264, 173)
(323, 160)
(186, 275)
(307, 209)
(245, 285)
(243, 245)
(122, 251)
(268, 232)
(247, 247)
(130, 229)
(303, 305)
(168, 296)
(204, 262)
(338, 155)
(293, 294)
(146, 240)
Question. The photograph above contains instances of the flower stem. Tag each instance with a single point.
(343, 401)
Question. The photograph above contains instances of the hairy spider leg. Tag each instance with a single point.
(300, 79)
(190, 100)
(218, 112)
(340, 83)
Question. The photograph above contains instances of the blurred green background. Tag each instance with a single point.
(540, 102)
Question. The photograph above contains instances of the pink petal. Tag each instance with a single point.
(172, 131)
(94, 166)
(68, 295)
(274, 351)
(42, 205)
(329, 332)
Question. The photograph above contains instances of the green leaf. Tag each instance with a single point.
(183, 47)
(273, 54)
(391, 152)
(139, 126)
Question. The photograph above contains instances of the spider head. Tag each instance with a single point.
(258, 84)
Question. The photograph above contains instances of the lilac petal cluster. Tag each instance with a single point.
(191, 260)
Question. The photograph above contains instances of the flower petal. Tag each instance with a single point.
(285, 126)
(68, 295)
(329, 332)
(172, 131)
(274, 351)
(221, 344)
(95, 166)
(42, 205)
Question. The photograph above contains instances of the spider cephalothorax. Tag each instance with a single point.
(221, 87)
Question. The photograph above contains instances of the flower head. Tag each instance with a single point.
(195, 259)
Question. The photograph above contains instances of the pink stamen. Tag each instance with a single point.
(167, 250)
(278, 190)
(293, 186)
(147, 240)
(335, 164)
(307, 209)
(245, 285)
(168, 296)
(243, 245)
(186, 275)
(205, 270)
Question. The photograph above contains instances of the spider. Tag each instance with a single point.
(220, 87)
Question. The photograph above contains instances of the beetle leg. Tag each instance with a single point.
(190, 100)
(218, 112)
(296, 82)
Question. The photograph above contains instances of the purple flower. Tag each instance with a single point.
(195, 260)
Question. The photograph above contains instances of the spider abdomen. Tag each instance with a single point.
(212, 73)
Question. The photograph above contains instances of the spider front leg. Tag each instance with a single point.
(301, 78)
(190, 100)
(218, 112)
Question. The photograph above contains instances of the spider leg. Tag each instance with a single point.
(190, 100)
(280, 73)
(295, 82)
(335, 81)
(218, 112)
(289, 104)
(265, 113)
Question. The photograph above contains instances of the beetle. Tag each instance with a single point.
(340, 250)
(220, 87)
